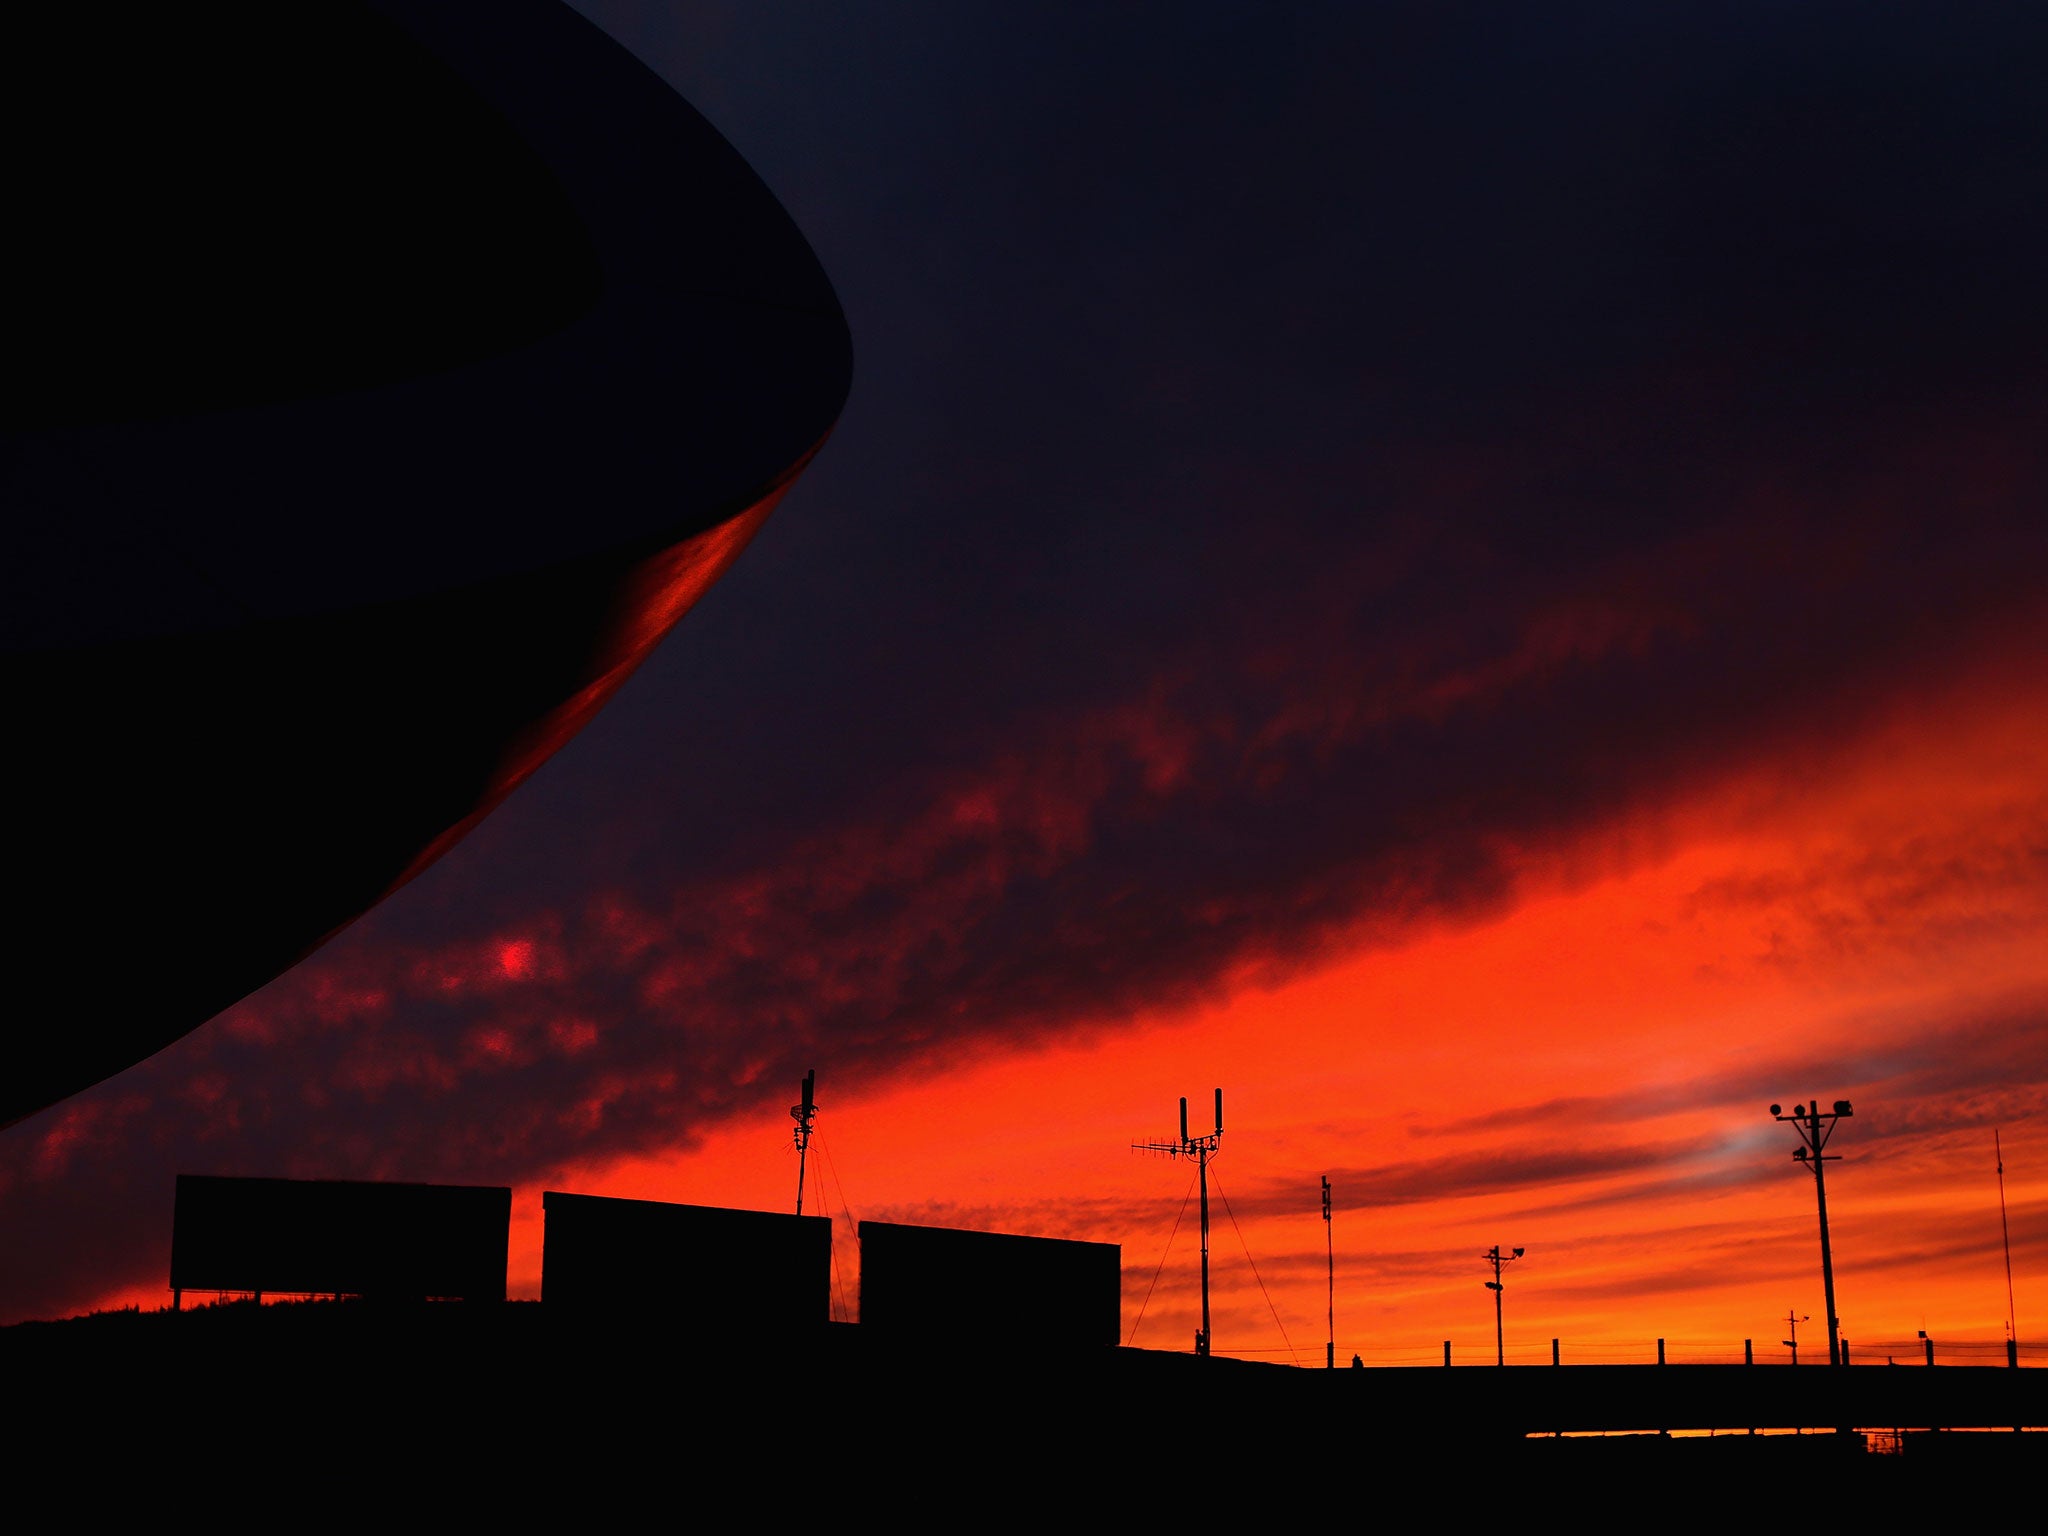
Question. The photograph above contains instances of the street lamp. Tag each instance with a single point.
(1814, 1129)
(1792, 1322)
(1496, 1258)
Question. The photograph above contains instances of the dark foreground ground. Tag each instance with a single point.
(326, 1414)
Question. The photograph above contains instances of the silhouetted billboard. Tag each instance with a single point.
(757, 1269)
(939, 1281)
(315, 1236)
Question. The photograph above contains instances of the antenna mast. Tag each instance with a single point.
(2012, 1327)
(803, 1114)
(1201, 1149)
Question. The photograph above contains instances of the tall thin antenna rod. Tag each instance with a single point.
(2012, 1327)
(1201, 1149)
(1330, 1252)
(803, 1114)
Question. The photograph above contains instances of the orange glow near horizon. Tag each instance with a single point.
(1585, 1075)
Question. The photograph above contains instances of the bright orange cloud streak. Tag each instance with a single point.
(1586, 1076)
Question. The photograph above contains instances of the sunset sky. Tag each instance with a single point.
(1470, 576)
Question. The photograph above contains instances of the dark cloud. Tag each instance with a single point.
(1299, 466)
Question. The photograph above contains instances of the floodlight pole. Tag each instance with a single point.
(1201, 1149)
(1330, 1253)
(1792, 1322)
(803, 1114)
(1496, 1258)
(1814, 1129)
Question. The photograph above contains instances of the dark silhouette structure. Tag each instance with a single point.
(942, 1284)
(1201, 1149)
(757, 1271)
(1815, 1127)
(1496, 1285)
(384, 1242)
(384, 379)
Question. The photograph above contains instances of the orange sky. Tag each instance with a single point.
(1500, 627)
(1585, 1077)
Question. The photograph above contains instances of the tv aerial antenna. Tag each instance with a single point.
(1201, 1149)
(803, 1114)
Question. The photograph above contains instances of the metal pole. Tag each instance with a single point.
(803, 1114)
(1201, 1149)
(1500, 1348)
(2012, 1324)
(1330, 1252)
(1827, 1258)
(1202, 1164)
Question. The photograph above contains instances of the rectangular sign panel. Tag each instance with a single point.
(315, 1236)
(751, 1268)
(941, 1281)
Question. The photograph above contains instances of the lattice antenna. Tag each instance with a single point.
(803, 1114)
(1201, 1149)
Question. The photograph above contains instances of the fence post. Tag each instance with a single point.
(1748, 1352)
(1660, 1351)
(1553, 1351)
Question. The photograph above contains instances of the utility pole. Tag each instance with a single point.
(1792, 1323)
(1814, 1130)
(1201, 1149)
(803, 1114)
(1496, 1258)
(2012, 1327)
(1330, 1252)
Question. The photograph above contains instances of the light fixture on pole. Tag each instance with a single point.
(1792, 1322)
(1330, 1254)
(1496, 1258)
(1814, 1129)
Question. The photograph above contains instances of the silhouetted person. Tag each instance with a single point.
(1357, 1364)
